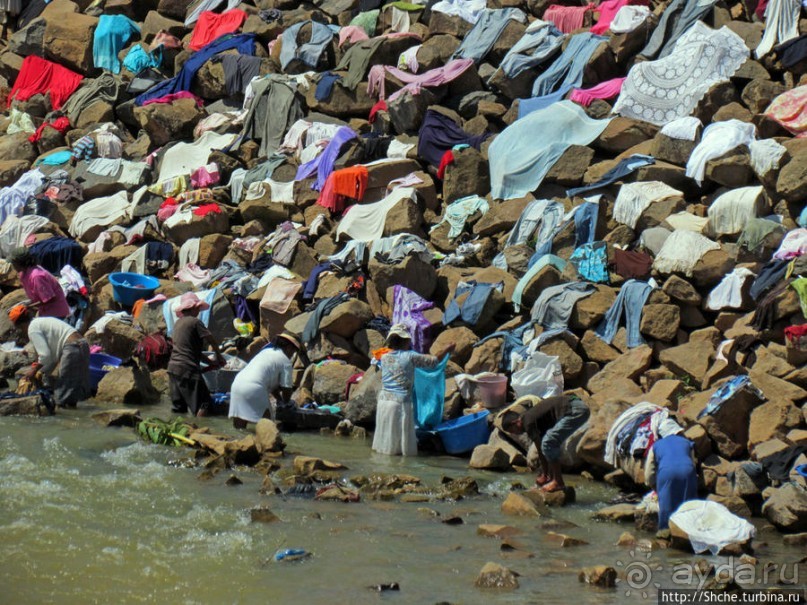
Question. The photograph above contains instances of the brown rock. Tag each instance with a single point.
(660, 321)
(495, 576)
(166, 122)
(519, 505)
(69, 36)
(629, 366)
(600, 576)
(128, 385)
(681, 290)
(691, 359)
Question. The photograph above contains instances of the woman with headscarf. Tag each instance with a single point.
(42, 289)
(670, 467)
(395, 414)
(269, 372)
(190, 335)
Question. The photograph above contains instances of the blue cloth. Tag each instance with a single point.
(513, 343)
(527, 106)
(488, 28)
(802, 470)
(531, 50)
(111, 35)
(802, 221)
(57, 158)
(630, 300)
(310, 287)
(439, 133)
(310, 52)
(243, 43)
(591, 262)
(472, 306)
(585, 223)
(725, 392)
(428, 396)
(56, 252)
(325, 85)
(137, 59)
(623, 169)
(567, 70)
(519, 160)
(544, 261)
(324, 162)
(676, 480)
(770, 275)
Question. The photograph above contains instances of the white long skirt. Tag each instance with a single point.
(248, 401)
(395, 425)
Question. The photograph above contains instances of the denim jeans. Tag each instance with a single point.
(473, 305)
(585, 223)
(631, 299)
(623, 169)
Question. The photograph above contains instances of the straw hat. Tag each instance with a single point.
(399, 330)
(189, 301)
(289, 337)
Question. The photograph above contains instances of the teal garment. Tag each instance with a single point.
(429, 394)
(56, 158)
(591, 262)
(137, 59)
(519, 160)
(111, 36)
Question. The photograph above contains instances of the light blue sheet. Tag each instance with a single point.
(522, 155)
(428, 397)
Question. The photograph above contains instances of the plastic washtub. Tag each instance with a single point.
(128, 288)
(463, 434)
(97, 363)
(492, 390)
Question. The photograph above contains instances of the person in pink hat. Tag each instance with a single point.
(190, 337)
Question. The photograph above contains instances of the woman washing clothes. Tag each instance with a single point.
(42, 289)
(395, 414)
(670, 468)
(269, 372)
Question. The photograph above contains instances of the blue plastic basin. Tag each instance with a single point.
(97, 362)
(461, 435)
(128, 288)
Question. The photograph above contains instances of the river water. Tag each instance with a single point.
(94, 515)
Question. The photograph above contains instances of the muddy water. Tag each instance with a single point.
(91, 515)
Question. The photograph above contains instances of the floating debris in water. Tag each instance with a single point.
(291, 554)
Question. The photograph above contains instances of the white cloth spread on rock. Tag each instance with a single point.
(669, 88)
(467, 10)
(184, 158)
(16, 229)
(729, 213)
(711, 526)
(189, 252)
(102, 211)
(634, 198)
(718, 139)
(766, 155)
(365, 222)
(282, 193)
(781, 24)
(681, 252)
(628, 18)
(728, 293)
(279, 294)
(687, 221)
(683, 129)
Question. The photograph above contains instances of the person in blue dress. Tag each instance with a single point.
(670, 468)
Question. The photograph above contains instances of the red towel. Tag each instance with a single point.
(206, 209)
(379, 106)
(40, 76)
(214, 25)
(448, 158)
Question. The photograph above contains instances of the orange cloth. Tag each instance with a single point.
(379, 353)
(211, 26)
(138, 307)
(17, 312)
(341, 184)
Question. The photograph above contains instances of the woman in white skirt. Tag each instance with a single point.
(395, 415)
(270, 371)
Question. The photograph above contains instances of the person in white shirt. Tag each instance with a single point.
(63, 355)
(270, 371)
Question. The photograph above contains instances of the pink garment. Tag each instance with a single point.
(608, 11)
(163, 214)
(175, 96)
(206, 176)
(279, 294)
(41, 287)
(352, 34)
(193, 274)
(414, 82)
(96, 349)
(603, 90)
(567, 18)
(793, 246)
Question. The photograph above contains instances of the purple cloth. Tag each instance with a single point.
(323, 163)
(440, 133)
(407, 309)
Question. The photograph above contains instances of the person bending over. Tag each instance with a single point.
(548, 424)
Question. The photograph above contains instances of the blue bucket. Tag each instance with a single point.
(463, 434)
(97, 362)
(128, 288)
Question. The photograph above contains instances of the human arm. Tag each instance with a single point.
(650, 469)
(208, 337)
(285, 383)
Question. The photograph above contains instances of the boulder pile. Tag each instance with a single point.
(617, 189)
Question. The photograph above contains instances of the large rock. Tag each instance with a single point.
(786, 507)
(495, 576)
(129, 385)
(413, 273)
(24, 406)
(692, 359)
(468, 175)
(361, 406)
(772, 420)
(501, 216)
(267, 437)
(347, 319)
(623, 133)
(330, 381)
(166, 122)
(69, 36)
(728, 426)
(630, 366)
(660, 321)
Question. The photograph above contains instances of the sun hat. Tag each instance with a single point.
(289, 337)
(399, 330)
(188, 301)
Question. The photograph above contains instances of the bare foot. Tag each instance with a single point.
(201, 413)
(553, 486)
(542, 479)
